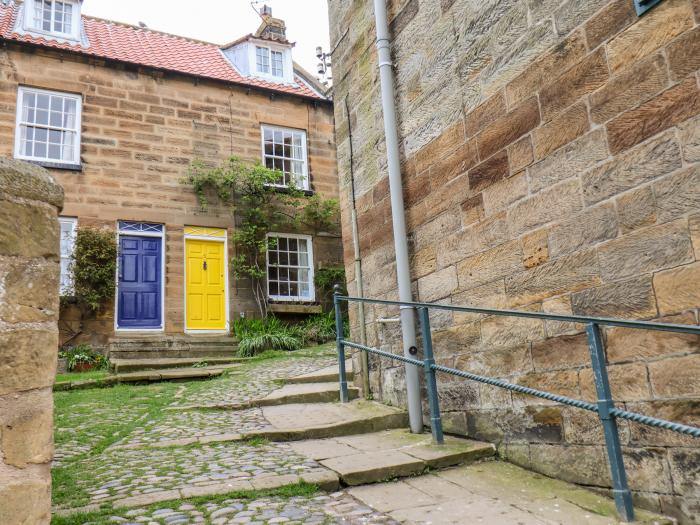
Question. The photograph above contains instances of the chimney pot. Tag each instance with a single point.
(265, 10)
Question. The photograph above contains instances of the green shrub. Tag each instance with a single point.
(94, 267)
(83, 354)
(258, 335)
(319, 328)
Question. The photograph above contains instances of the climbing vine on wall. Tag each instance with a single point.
(260, 207)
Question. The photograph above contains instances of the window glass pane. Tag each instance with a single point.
(293, 274)
(284, 151)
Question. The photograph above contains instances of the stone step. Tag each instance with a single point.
(160, 346)
(325, 375)
(374, 457)
(133, 365)
(306, 393)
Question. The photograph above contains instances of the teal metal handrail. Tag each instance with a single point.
(605, 406)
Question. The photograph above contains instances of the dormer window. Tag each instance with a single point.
(269, 61)
(59, 18)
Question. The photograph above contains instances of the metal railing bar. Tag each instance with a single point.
(646, 325)
(382, 353)
(656, 422)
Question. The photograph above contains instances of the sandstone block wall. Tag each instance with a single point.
(29, 273)
(140, 131)
(551, 163)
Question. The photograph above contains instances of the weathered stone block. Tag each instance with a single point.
(632, 298)
(484, 114)
(489, 295)
(694, 227)
(646, 250)
(572, 14)
(626, 344)
(642, 164)
(440, 227)
(28, 181)
(26, 428)
(552, 204)
(659, 27)
(636, 209)
(441, 146)
(584, 428)
(506, 129)
(489, 172)
(562, 129)
(476, 238)
(437, 285)
(689, 133)
(678, 289)
(647, 469)
(28, 291)
(677, 377)
(501, 195)
(472, 210)
(560, 305)
(489, 265)
(572, 272)
(586, 76)
(456, 339)
(535, 248)
(678, 194)
(686, 411)
(520, 154)
(458, 395)
(612, 19)
(569, 161)
(561, 352)
(28, 230)
(560, 58)
(627, 382)
(685, 471)
(654, 116)
(509, 331)
(27, 359)
(423, 262)
(498, 361)
(26, 501)
(633, 85)
(588, 228)
(574, 463)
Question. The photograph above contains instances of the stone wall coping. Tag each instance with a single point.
(29, 181)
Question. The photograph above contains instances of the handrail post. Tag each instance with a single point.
(430, 381)
(621, 491)
(339, 343)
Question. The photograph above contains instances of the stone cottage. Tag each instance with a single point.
(117, 113)
(550, 162)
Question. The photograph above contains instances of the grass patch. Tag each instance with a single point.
(82, 376)
(103, 516)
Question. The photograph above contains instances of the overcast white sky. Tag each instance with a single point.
(222, 21)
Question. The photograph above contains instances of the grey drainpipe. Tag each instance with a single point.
(408, 327)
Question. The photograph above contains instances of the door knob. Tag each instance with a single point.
(204, 266)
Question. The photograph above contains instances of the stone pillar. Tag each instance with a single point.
(29, 275)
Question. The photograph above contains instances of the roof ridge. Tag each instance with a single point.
(149, 30)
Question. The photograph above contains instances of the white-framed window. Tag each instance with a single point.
(269, 61)
(55, 17)
(290, 267)
(285, 150)
(69, 228)
(48, 126)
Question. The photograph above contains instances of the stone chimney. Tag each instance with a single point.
(271, 28)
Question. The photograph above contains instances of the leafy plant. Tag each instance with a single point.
(260, 207)
(200, 364)
(258, 335)
(94, 265)
(83, 354)
(319, 328)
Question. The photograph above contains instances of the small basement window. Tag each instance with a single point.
(290, 272)
(48, 126)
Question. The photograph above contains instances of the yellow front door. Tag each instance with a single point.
(205, 286)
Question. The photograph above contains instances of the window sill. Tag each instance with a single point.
(285, 189)
(308, 308)
(55, 165)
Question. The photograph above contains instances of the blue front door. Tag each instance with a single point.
(139, 288)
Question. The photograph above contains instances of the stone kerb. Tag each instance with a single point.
(30, 201)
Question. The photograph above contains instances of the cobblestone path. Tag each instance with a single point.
(107, 450)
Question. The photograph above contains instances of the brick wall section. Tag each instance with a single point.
(29, 271)
(551, 162)
(140, 131)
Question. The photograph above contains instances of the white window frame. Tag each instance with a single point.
(66, 284)
(29, 19)
(269, 54)
(303, 184)
(21, 92)
(312, 289)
